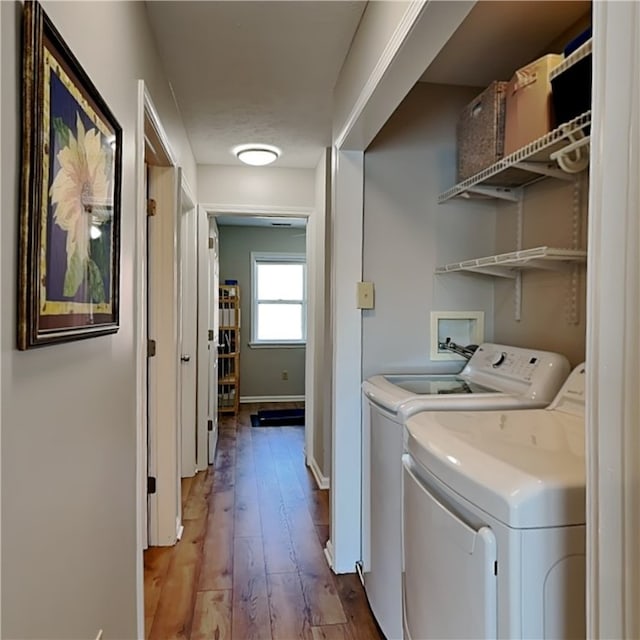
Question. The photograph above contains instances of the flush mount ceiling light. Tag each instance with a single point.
(257, 155)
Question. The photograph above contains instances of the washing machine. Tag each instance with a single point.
(495, 377)
(494, 522)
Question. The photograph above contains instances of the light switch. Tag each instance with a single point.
(365, 295)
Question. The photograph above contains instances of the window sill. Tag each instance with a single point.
(277, 345)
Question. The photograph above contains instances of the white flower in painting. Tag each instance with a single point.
(80, 185)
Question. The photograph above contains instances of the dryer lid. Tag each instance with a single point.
(525, 468)
(392, 390)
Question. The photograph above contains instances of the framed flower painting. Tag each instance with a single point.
(70, 198)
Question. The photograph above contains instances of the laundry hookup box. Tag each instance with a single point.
(480, 131)
(529, 113)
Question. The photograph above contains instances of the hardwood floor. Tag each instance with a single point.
(250, 564)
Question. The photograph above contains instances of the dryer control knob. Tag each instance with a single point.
(498, 359)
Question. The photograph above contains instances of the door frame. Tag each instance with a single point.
(613, 316)
(148, 125)
(315, 261)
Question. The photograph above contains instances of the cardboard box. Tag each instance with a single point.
(480, 131)
(529, 114)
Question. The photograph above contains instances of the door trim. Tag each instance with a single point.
(313, 295)
(146, 115)
(613, 317)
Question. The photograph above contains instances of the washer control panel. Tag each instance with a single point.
(517, 370)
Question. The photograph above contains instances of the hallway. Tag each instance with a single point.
(250, 564)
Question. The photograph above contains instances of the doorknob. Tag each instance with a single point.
(185, 358)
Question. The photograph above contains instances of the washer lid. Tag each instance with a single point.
(525, 468)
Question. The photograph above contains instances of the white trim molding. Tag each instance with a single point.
(328, 553)
(423, 30)
(154, 120)
(146, 114)
(259, 399)
(613, 343)
(321, 480)
(375, 78)
(250, 210)
(346, 269)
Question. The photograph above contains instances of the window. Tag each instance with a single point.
(279, 298)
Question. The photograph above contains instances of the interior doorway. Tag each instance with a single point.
(301, 223)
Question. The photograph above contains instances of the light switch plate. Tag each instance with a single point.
(365, 295)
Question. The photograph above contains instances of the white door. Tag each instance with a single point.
(188, 314)
(163, 365)
(449, 584)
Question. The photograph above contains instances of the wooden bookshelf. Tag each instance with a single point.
(229, 349)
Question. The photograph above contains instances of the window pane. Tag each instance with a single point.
(279, 322)
(280, 281)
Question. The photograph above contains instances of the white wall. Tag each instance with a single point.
(261, 368)
(407, 233)
(549, 298)
(394, 44)
(255, 186)
(377, 26)
(68, 411)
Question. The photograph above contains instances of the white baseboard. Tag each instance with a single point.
(328, 553)
(321, 481)
(257, 399)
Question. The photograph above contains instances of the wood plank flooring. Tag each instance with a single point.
(251, 565)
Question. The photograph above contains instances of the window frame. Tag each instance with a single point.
(277, 257)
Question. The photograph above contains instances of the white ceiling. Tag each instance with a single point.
(491, 43)
(246, 72)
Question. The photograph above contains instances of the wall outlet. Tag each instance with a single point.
(285, 375)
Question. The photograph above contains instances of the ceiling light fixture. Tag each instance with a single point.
(257, 155)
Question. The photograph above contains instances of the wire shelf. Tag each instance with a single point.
(507, 265)
(530, 164)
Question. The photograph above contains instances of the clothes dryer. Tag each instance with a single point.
(494, 522)
(496, 377)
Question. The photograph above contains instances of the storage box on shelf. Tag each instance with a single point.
(229, 349)
(480, 131)
(528, 103)
(523, 167)
(506, 179)
(571, 84)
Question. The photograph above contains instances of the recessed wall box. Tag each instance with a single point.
(462, 327)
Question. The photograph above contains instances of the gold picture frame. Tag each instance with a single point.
(70, 196)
